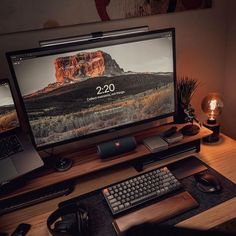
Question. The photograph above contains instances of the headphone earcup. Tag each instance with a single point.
(82, 219)
(74, 222)
(79, 222)
(63, 226)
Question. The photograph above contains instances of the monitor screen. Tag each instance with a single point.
(8, 115)
(78, 90)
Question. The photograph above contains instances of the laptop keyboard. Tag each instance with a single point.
(9, 146)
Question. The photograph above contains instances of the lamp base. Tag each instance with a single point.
(190, 130)
(215, 136)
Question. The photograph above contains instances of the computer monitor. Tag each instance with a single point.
(75, 91)
(8, 115)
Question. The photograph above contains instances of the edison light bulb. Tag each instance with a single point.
(212, 105)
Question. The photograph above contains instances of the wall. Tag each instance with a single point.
(229, 96)
(200, 43)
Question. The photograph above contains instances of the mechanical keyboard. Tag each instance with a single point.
(36, 196)
(138, 190)
(9, 146)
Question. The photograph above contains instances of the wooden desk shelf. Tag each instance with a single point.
(87, 161)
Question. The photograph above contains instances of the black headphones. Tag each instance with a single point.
(75, 222)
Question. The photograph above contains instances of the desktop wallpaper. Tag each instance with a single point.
(74, 94)
(8, 115)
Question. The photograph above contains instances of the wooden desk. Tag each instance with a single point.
(220, 156)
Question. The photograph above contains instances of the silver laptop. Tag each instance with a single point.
(17, 154)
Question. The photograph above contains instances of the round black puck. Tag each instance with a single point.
(63, 164)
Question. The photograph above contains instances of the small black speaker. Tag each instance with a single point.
(116, 147)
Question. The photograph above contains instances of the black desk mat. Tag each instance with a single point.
(101, 219)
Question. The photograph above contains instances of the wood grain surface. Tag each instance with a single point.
(220, 156)
(157, 212)
(87, 161)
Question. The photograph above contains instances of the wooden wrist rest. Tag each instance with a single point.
(157, 212)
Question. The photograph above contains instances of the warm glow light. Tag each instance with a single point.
(213, 104)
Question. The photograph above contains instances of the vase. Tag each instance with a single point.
(180, 117)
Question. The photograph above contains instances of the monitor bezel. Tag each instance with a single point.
(92, 43)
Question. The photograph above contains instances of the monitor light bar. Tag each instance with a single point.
(95, 35)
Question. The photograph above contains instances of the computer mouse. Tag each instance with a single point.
(207, 183)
